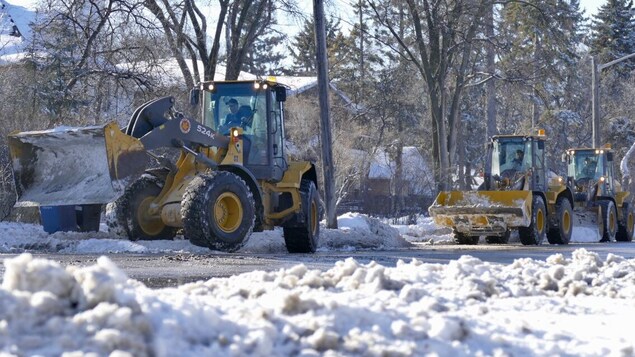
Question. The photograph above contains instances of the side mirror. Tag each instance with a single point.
(541, 145)
(195, 95)
(609, 156)
(281, 94)
(564, 157)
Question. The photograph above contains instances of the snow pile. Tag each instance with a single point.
(360, 231)
(577, 306)
(426, 231)
(356, 231)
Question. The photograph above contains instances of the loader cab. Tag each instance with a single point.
(587, 166)
(517, 163)
(256, 107)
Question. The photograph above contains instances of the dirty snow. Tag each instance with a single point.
(580, 306)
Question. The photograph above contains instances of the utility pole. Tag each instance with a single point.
(325, 117)
(595, 90)
(595, 105)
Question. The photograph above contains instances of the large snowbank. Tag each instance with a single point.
(356, 231)
(578, 306)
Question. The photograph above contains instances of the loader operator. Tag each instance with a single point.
(588, 170)
(517, 162)
(237, 116)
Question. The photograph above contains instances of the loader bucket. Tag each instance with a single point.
(72, 166)
(586, 225)
(482, 212)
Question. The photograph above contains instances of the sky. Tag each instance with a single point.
(578, 306)
(591, 6)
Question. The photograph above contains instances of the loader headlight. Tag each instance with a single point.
(256, 85)
(210, 87)
(602, 179)
(234, 135)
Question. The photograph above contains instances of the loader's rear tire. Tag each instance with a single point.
(301, 235)
(504, 239)
(129, 213)
(465, 239)
(607, 221)
(218, 211)
(564, 215)
(625, 229)
(535, 233)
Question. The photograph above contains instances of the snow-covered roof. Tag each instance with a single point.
(415, 169)
(15, 16)
(170, 73)
(382, 167)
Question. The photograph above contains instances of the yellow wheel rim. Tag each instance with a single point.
(149, 224)
(227, 212)
(566, 220)
(314, 217)
(630, 221)
(540, 220)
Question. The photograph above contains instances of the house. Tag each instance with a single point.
(381, 192)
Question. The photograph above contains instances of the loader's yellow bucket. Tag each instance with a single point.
(70, 166)
(483, 212)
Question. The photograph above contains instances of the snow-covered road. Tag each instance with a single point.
(575, 304)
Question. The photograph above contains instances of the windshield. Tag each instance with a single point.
(234, 105)
(511, 155)
(585, 164)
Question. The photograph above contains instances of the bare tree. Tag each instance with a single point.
(185, 26)
(81, 48)
(442, 35)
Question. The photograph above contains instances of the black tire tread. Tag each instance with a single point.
(297, 235)
(623, 234)
(531, 235)
(555, 235)
(195, 207)
(607, 206)
(121, 218)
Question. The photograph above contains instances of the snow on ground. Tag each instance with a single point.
(582, 306)
(356, 231)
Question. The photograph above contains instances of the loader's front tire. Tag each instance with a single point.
(218, 211)
(301, 234)
(625, 230)
(535, 233)
(608, 221)
(465, 239)
(564, 214)
(129, 213)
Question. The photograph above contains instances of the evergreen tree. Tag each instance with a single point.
(266, 56)
(539, 60)
(613, 34)
(302, 49)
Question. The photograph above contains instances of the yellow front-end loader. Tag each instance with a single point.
(515, 194)
(600, 204)
(231, 176)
